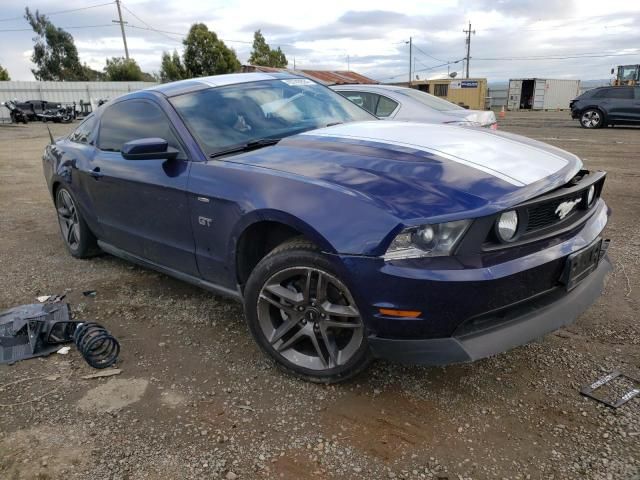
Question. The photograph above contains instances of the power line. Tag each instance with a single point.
(148, 25)
(426, 54)
(60, 11)
(64, 28)
(426, 69)
(558, 57)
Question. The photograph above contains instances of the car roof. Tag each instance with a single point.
(200, 83)
(395, 88)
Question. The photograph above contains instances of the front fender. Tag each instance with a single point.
(281, 217)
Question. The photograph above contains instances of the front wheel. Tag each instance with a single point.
(304, 317)
(592, 118)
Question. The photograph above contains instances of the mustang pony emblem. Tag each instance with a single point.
(565, 207)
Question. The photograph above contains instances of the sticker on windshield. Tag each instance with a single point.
(296, 82)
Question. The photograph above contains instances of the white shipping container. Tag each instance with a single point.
(541, 93)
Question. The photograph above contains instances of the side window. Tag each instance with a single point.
(386, 106)
(365, 100)
(82, 134)
(620, 93)
(615, 92)
(132, 120)
(602, 93)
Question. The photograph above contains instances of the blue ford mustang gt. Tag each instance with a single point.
(346, 238)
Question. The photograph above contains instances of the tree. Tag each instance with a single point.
(262, 54)
(205, 54)
(54, 52)
(172, 68)
(119, 69)
(92, 75)
(4, 75)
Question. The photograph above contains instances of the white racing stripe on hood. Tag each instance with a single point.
(505, 158)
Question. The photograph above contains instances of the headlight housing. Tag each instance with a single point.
(507, 225)
(427, 240)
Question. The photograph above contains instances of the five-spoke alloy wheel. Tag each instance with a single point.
(76, 235)
(304, 316)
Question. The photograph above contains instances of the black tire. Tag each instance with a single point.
(77, 238)
(592, 118)
(346, 340)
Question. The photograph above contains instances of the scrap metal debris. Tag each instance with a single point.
(36, 330)
(50, 298)
(621, 392)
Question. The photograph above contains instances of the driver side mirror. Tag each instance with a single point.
(613, 71)
(148, 149)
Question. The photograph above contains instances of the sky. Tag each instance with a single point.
(513, 39)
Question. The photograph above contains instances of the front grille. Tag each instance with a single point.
(544, 214)
(540, 217)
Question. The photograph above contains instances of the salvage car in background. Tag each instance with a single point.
(390, 102)
(346, 237)
(607, 106)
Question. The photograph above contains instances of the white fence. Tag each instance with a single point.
(65, 92)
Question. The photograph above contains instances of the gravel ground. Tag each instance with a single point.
(196, 399)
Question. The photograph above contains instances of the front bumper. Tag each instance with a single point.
(524, 324)
(473, 307)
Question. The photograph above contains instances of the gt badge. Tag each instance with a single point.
(204, 221)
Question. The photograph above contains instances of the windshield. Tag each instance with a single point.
(239, 114)
(430, 101)
(629, 72)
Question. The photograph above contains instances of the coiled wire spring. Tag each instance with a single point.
(98, 347)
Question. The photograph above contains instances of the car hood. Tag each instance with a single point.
(417, 170)
(483, 117)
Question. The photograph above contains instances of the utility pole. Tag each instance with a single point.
(124, 37)
(469, 32)
(410, 56)
(348, 64)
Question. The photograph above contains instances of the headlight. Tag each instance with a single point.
(507, 225)
(427, 240)
(591, 195)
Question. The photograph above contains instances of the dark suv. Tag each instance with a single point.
(607, 106)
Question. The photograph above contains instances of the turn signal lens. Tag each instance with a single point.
(399, 313)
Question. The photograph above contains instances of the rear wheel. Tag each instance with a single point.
(76, 235)
(304, 317)
(592, 118)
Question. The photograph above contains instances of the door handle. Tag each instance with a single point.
(95, 173)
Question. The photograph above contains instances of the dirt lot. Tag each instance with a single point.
(196, 399)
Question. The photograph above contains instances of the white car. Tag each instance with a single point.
(408, 104)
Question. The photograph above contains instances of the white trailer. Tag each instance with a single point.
(541, 93)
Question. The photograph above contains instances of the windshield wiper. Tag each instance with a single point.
(246, 147)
